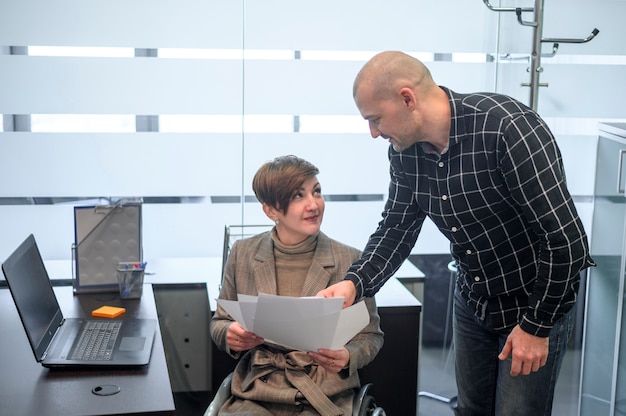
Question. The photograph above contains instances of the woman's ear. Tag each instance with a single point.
(270, 212)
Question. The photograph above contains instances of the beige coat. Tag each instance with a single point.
(271, 374)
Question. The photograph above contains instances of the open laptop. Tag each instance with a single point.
(53, 338)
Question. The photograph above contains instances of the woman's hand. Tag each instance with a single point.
(332, 360)
(238, 339)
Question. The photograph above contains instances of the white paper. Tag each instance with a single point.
(306, 323)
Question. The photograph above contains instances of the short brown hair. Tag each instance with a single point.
(276, 181)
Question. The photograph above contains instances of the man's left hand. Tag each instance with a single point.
(528, 352)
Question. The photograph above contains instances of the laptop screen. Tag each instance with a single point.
(33, 294)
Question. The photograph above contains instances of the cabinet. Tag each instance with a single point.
(603, 367)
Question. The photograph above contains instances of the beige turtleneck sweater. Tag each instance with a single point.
(292, 264)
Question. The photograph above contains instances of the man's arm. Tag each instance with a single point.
(389, 245)
(534, 172)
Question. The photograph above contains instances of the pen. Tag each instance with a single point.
(137, 269)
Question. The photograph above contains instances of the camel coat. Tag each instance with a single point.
(289, 382)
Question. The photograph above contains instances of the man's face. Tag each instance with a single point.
(388, 117)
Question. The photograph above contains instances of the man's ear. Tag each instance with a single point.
(408, 97)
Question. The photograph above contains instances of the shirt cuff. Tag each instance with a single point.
(354, 278)
(537, 329)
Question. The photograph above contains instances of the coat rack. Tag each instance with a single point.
(535, 57)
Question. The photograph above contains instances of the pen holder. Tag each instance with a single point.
(130, 279)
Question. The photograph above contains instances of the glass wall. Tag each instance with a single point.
(179, 102)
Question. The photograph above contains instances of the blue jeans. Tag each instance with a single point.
(485, 386)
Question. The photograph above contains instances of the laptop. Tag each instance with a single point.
(55, 339)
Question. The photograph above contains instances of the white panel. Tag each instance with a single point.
(136, 23)
(52, 225)
(577, 18)
(464, 77)
(300, 87)
(419, 25)
(144, 164)
(186, 230)
(589, 91)
(63, 85)
(579, 158)
(431, 241)
(511, 36)
(326, 87)
(348, 163)
(583, 91)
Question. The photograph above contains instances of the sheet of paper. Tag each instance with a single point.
(232, 308)
(306, 323)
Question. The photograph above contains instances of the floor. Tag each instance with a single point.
(437, 377)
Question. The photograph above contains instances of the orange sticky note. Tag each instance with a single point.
(108, 312)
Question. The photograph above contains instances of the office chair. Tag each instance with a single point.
(235, 232)
(363, 405)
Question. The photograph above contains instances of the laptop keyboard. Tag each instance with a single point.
(96, 341)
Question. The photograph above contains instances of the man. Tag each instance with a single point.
(487, 171)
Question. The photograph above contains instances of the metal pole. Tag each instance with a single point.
(535, 57)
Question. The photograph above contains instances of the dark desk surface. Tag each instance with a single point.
(27, 388)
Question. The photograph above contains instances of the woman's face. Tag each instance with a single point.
(304, 214)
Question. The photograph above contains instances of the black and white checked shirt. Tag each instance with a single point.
(499, 195)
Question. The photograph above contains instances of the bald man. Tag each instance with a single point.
(487, 171)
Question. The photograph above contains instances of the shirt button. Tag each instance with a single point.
(477, 278)
(440, 164)
(444, 197)
(454, 229)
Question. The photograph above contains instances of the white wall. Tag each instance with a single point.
(213, 161)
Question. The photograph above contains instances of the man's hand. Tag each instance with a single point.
(344, 289)
(528, 352)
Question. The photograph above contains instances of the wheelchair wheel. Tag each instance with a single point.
(367, 406)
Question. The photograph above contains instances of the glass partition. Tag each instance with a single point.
(183, 101)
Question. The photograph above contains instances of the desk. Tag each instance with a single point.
(394, 372)
(27, 388)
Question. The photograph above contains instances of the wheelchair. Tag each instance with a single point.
(363, 405)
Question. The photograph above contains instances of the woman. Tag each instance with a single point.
(293, 259)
